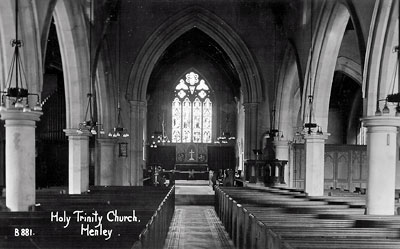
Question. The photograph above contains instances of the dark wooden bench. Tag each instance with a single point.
(49, 234)
(271, 219)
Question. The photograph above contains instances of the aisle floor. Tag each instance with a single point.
(195, 227)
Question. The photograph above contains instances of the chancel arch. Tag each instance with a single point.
(210, 24)
(193, 74)
(235, 49)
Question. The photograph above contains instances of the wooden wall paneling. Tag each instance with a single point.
(343, 165)
(364, 168)
(329, 170)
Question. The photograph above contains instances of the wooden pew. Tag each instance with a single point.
(49, 234)
(269, 221)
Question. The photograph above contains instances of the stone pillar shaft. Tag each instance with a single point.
(106, 160)
(315, 153)
(381, 158)
(137, 116)
(78, 161)
(20, 158)
(250, 129)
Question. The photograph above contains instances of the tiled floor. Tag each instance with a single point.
(196, 227)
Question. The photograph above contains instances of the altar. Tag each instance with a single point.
(191, 160)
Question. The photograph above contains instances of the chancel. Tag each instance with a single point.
(193, 124)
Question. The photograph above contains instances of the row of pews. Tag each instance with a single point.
(105, 217)
(278, 218)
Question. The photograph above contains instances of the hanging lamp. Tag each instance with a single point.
(310, 126)
(89, 123)
(118, 130)
(16, 96)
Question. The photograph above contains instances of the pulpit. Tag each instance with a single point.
(267, 172)
(255, 171)
(275, 172)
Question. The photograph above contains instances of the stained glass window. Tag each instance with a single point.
(176, 120)
(192, 111)
(207, 117)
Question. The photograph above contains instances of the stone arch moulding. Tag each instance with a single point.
(327, 40)
(380, 62)
(29, 34)
(350, 68)
(289, 84)
(214, 27)
(7, 33)
(72, 35)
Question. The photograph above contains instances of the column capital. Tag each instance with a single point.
(17, 114)
(138, 103)
(315, 136)
(250, 105)
(382, 121)
(73, 132)
(280, 142)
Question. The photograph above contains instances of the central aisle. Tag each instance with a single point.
(196, 226)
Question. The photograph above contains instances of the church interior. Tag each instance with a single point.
(196, 123)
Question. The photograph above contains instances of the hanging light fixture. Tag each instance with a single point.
(159, 136)
(16, 96)
(274, 133)
(89, 123)
(118, 130)
(395, 97)
(310, 126)
(225, 136)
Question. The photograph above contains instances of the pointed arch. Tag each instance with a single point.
(331, 25)
(349, 67)
(29, 33)
(380, 63)
(287, 103)
(72, 35)
(72, 31)
(214, 27)
(6, 34)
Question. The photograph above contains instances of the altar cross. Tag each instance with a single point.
(191, 155)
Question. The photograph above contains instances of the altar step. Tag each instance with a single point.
(193, 193)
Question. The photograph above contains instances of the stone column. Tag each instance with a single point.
(106, 160)
(78, 161)
(137, 118)
(381, 158)
(20, 158)
(315, 155)
(250, 129)
(282, 153)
